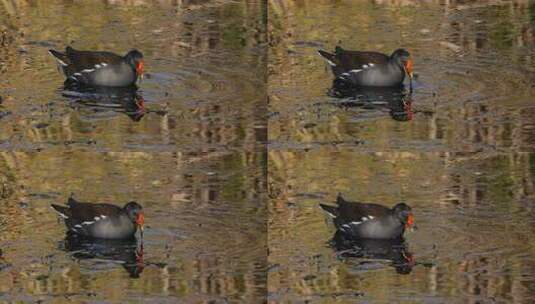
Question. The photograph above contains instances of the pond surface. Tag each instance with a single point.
(231, 184)
(460, 154)
(190, 149)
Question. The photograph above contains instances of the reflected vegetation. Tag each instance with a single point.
(474, 214)
(474, 61)
(205, 61)
(462, 161)
(188, 144)
(191, 202)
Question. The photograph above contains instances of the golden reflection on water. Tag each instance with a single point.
(473, 213)
(197, 162)
(203, 65)
(472, 98)
(190, 202)
(460, 162)
(194, 159)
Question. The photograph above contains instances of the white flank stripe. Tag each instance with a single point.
(88, 70)
(103, 64)
(78, 226)
(87, 223)
(355, 71)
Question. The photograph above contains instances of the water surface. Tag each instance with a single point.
(462, 158)
(189, 146)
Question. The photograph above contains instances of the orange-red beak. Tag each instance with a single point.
(140, 221)
(408, 67)
(410, 221)
(140, 68)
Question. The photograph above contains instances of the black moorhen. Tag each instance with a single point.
(100, 68)
(103, 221)
(370, 221)
(370, 68)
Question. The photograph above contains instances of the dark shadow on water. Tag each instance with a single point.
(398, 100)
(124, 252)
(125, 100)
(393, 251)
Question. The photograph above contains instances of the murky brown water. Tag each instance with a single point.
(462, 158)
(191, 148)
(194, 156)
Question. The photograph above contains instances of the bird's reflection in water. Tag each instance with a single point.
(123, 100)
(398, 100)
(395, 252)
(124, 252)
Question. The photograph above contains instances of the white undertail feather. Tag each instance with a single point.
(328, 61)
(61, 214)
(330, 214)
(57, 59)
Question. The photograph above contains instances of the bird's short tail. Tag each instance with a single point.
(331, 58)
(62, 59)
(331, 210)
(63, 211)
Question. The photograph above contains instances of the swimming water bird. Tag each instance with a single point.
(103, 221)
(100, 68)
(369, 68)
(370, 221)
